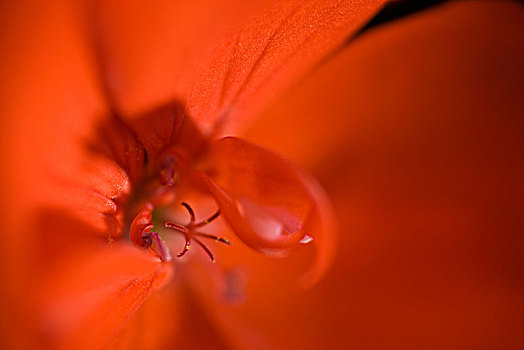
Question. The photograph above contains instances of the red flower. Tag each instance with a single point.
(412, 128)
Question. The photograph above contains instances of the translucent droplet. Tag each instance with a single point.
(306, 239)
(260, 219)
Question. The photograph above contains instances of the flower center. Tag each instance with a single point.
(141, 233)
(190, 233)
(160, 190)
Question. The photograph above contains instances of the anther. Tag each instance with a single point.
(190, 234)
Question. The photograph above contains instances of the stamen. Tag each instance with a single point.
(190, 233)
(206, 249)
(177, 227)
(191, 213)
(159, 247)
(216, 238)
(186, 248)
(208, 220)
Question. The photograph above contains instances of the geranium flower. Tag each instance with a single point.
(119, 166)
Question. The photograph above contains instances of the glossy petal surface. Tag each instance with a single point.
(147, 48)
(270, 204)
(418, 139)
(276, 49)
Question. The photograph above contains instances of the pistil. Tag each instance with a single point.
(190, 233)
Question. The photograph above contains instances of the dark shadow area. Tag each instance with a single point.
(397, 10)
(135, 143)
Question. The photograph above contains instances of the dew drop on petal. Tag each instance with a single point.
(260, 220)
(270, 222)
(306, 239)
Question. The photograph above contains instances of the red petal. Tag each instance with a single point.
(148, 46)
(269, 204)
(142, 224)
(416, 130)
(115, 139)
(49, 106)
(155, 325)
(92, 296)
(273, 51)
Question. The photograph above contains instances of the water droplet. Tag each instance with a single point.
(306, 239)
(260, 219)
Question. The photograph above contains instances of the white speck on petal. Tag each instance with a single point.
(306, 239)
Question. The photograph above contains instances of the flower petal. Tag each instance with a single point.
(148, 47)
(270, 205)
(49, 103)
(416, 131)
(273, 51)
(155, 325)
(90, 298)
